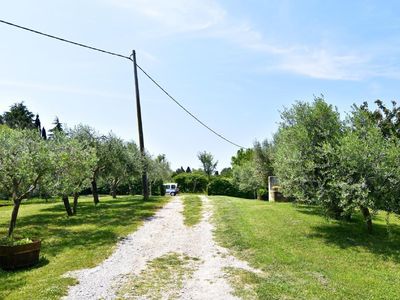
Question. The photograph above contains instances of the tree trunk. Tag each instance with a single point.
(67, 205)
(95, 192)
(14, 216)
(367, 218)
(75, 205)
(114, 191)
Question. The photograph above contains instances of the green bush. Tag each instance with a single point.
(223, 186)
(191, 182)
(262, 194)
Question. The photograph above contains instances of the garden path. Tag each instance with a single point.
(162, 234)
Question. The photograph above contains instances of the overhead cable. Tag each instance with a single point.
(64, 40)
(187, 111)
(129, 58)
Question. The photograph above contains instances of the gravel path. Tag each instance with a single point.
(162, 234)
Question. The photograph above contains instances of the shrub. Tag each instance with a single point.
(191, 182)
(223, 186)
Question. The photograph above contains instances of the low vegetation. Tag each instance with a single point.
(303, 255)
(69, 243)
(163, 278)
(192, 210)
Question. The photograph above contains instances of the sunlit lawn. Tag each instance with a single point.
(305, 256)
(69, 243)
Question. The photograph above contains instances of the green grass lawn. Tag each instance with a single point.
(192, 210)
(69, 243)
(304, 255)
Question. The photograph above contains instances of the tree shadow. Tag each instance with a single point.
(53, 222)
(92, 227)
(312, 210)
(383, 242)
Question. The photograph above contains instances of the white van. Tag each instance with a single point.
(171, 188)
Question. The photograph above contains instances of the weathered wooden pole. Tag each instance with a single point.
(140, 128)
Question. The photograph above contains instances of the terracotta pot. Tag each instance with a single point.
(13, 257)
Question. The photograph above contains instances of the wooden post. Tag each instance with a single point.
(140, 128)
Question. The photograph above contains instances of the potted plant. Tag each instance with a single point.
(24, 161)
(18, 252)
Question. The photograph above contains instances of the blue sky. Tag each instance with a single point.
(235, 64)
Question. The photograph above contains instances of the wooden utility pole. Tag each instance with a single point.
(140, 127)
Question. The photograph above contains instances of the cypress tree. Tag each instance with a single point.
(37, 122)
(44, 134)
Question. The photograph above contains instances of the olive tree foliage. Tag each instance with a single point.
(158, 171)
(73, 162)
(208, 163)
(117, 162)
(366, 175)
(263, 161)
(24, 161)
(88, 136)
(245, 177)
(134, 165)
(115, 159)
(300, 160)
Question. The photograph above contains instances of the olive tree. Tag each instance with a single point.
(300, 161)
(366, 174)
(134, 166)
(73, 161)
(158, 171)
(263, 160)
(115, 159)
(24, 161)
(88, 136)
(246, 178)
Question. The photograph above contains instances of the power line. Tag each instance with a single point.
(64, 40)
(187, 111)
(131, 59)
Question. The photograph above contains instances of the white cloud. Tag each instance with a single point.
(322, 64)
(202, 17)
(206, 18)
(177, 15)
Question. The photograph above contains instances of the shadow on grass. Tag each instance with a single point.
(312, 210)
(384, 241)
(92, 227)
(53, 223)
(14, 282)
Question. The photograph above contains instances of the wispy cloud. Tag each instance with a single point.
(208, 18)
(177, 15)
(319, 63)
